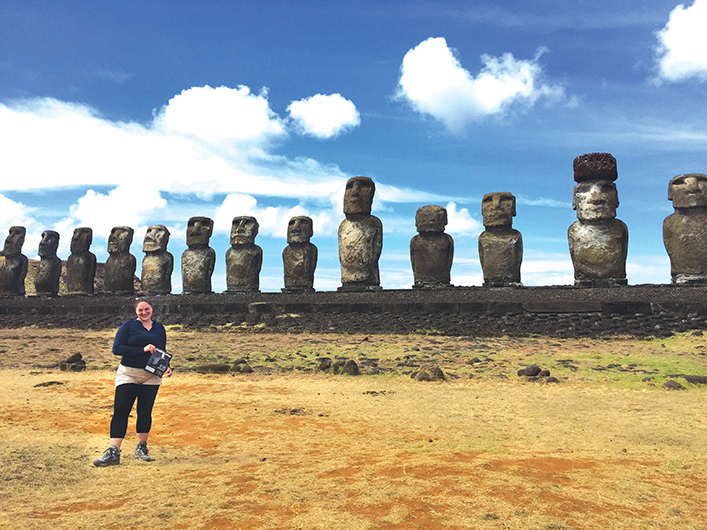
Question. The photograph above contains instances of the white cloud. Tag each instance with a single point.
(682, 49)
(221, 114)
(14, 213)
(434, 82)
(272, 220)
(460, 222)
(324, 116)
(121, 206)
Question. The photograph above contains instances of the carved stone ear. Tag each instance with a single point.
(574, 197)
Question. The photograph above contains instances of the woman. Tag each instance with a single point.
(134, 342)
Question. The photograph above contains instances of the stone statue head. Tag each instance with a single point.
(498, 208)
(199, 230)
(48, 244)
(244, 230)
(358, 197)
(430, 219)
(14, 241)
(156, 239)
(81, 240)
(120, 239)
(595, 199)
(300, 230)
(595, 195)
(688, 191)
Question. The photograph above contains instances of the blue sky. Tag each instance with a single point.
(139, 113)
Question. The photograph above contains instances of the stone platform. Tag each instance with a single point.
(562, 311)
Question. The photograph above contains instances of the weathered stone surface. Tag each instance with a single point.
(532, 370)
(199, 259)
(673, 385)
(13, 264)
(157, 265)
(500, 246)
(360, 238)
(350, 367)
(598, 241)
(685, 231)
(593, 166)
(244, 259)
(46, 279)
(119, 272)
(299, 258)
(81, 265)
(431, 251)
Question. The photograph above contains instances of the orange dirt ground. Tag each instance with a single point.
(311, 450)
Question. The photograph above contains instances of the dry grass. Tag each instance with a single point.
(307, 450)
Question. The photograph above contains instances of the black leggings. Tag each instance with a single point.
(125, 396)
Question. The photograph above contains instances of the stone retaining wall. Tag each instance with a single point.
(643, 310)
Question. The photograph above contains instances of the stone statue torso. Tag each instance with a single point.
(685, 238)
(80, 273)
(243, 264)
(360, 245)
(13, 271)
(157, 272)
(197, 268)
(501, 254)
(119, 273)
(299, 261)
(46, 280)
(598, 249)
(431, 255)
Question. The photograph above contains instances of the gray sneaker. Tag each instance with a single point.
(141, 452)
(111, 457)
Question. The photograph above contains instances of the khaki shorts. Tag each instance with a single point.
(137, 376)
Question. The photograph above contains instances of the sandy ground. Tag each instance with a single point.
(290, 447)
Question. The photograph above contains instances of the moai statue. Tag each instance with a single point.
(685, 231)
(431, 250)
(244, 259)
(157, 264)
(119, 275)
(360, 238)
(13, 268)
(199, 259)
(81, 265)
(500, 246)
(299, 258)
(598, 241)
(46, 280)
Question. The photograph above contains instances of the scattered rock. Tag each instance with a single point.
(697, 333)
(544, 373)
(437, 374)
(671, 384)
(647, 379)
(551, 379)
(350, 368)
(695, 379)
(521, 372)
(423, 376)
(48, 383)
(299, 411)
(246, 369)
(324, 363)
(532, 370)
(76, 357)
(337, 365)
(213, 368)
(78, 366)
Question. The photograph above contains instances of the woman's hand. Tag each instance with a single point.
(168, 372)
(150, 348)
